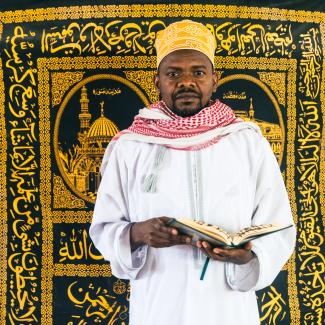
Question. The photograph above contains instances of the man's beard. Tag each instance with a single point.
(186, 112)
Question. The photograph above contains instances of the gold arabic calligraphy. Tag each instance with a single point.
(119, 38)
(73, 248)
(23, 185)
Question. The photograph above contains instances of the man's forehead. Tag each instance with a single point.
(185, 57)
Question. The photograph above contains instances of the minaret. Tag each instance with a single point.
(84, 116)
(251, 111)
(102, 109)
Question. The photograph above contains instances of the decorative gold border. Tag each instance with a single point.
(82, 270)
(63, 198)
(161, 11)
(266, 89)
(44, 65)
(145, 79)
(71, 216)
(289, 66)
(47, 247)
(61, 82)
(276, 81)
(3, 202)
(308, 249)
(294, 309)
(64, 103)
(322, 144)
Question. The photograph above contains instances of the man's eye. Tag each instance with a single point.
(173, 74)
(199, 73)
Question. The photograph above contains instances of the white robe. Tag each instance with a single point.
(234, 183)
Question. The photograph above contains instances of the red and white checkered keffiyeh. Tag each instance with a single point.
(216, 115)
(157, 124)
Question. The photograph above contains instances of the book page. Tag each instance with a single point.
(255, 231)
(208, 229)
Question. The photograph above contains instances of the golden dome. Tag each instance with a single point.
(103, 129)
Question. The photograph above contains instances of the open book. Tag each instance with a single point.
(216, 236)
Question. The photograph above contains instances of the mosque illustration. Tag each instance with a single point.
(271, 131)
(82, 162)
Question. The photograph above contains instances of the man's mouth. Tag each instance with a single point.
(187, 96)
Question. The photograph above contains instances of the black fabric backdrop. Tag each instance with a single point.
(73, 73)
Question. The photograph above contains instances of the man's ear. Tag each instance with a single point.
(215, 80)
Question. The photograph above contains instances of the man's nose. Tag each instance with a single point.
(186, 81)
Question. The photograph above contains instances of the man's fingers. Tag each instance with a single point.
(236, 255)
(175, 238)
(222, 252)
(207, 250)
(164, 219)
(180, 239)
(165, 230)
(248, 246)
(170, 230)
(214, 256)
(160, 226)
(158, 235)
(217, 253)
(167, 239)
(162, 222)
(161, 241)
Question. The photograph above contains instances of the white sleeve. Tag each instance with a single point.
(272, 251)
(110, 227)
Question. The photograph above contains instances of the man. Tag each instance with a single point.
(188, 156)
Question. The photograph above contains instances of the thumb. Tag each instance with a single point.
(248, 246)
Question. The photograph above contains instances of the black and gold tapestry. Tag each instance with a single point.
(72, 77)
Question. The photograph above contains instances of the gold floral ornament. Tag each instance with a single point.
(119, 287)
(185, 35)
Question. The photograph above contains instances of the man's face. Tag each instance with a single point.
(186, 81)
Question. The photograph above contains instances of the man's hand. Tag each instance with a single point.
(233, 255)
(153, 232)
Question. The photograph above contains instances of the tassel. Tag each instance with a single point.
(149, 184)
